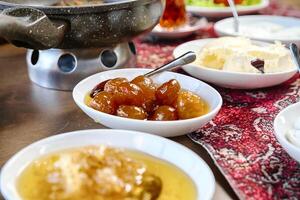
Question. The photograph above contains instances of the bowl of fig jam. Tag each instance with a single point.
(167, 104)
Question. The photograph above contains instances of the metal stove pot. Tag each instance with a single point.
(35, 24)
(71, 43)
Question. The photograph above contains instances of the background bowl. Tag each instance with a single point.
(234, 80)
(225, 27)
(163, 128)
(219, 12)
(282, 123)
(159, 147)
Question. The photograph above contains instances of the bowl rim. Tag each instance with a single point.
(280, 135)
(218, 26)
(4, 190)
(222, 72)
(177, 122)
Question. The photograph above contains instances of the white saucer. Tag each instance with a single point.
(194, 24)
(225, 27)
(226, 11)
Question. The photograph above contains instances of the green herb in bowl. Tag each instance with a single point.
(220, 3)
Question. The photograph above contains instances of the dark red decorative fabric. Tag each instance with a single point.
(241, 138)
(242, 142)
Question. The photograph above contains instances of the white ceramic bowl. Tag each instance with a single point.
(282, 123)
(226, 11)
(234, 80)
(225, 27)
(159, 147)
(162, 128)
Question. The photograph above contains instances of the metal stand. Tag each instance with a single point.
(63, 69)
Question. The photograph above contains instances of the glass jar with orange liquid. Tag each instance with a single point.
(174, 14)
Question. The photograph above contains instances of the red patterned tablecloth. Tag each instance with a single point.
(241, 138)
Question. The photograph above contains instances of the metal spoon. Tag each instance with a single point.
(236, 22)
(295, 54)
(182, 60)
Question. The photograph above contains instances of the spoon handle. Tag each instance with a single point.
(236, 22)
(295, 55)
(182, 60)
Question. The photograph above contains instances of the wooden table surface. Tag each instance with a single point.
(29, 112)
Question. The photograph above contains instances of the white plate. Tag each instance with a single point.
(226, 11)
(225, 27)
(159, 147)
(180, 32)
(235, 80)
(162, 128)
(282, 123)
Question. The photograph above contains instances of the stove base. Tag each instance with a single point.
(63, 69)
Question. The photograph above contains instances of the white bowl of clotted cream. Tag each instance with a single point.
(287, 130)
(237, 74)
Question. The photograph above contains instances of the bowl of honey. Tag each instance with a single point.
(106, 164)
(168, 104)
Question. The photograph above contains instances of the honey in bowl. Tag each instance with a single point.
(141, 99)
(103, 173)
